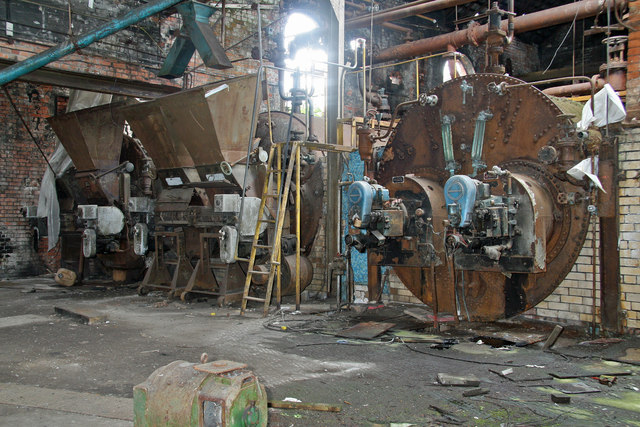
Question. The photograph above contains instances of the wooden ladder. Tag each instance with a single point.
(274, 167)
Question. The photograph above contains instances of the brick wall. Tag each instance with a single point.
(629, 199)
(22, 166)
(134, 54)
(572, 301)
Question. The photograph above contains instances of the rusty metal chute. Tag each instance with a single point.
(92, 137)
(205, 125)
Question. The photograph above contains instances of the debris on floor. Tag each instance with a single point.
(458, 381)
(575, 388)
(83, 314)
(299, 354)
(365, 330)
(324, 407)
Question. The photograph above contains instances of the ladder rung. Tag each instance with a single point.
(258, 272)
(270, 195)
(243, 259)
(254, 299)
(270, 221)
(263, 246)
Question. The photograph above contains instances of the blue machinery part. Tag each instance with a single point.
(460, 196)
(361, 196)
(18, 70)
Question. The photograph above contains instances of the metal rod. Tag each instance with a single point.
(259, 33)
(50, 55)
(478, 34)
(557, 80)
(223, 24)
(26, 126)
(393, 118)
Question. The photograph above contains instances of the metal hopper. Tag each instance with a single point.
(202, 126)
(93, 139)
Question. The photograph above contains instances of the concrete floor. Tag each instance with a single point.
(56, 371)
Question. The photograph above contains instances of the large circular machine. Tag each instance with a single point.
(480, 218)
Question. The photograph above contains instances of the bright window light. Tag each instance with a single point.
(306, 59)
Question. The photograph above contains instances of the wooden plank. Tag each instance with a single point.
(590, 375)
(553, 337)
(305, 406)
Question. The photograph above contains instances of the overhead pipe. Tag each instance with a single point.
(476, 34)
(50, 55)
(572, 89)
(410, 9)
(388, 25)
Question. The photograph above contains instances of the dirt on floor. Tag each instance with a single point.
(390, 379)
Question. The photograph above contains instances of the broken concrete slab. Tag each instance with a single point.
(575, 388)
(458, 381)
(83, 314)
(365, 330)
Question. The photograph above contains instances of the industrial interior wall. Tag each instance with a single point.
(21, 169)
(572, 301)
(27, 28)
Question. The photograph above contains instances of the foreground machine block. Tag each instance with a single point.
(220, 393)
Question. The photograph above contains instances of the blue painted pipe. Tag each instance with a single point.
(15, 71)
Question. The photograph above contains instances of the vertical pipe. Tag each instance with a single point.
(50, 55)
(417, 81)
(364, 79)
(594, 256)
(335, 19)
(259, 33)
(298, 229)
(279, 266)
(223, 23)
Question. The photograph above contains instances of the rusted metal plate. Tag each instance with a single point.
(524, 121)
(92, 137)
(365, 330)
(200, 126)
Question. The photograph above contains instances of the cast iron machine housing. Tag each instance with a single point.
(470, 201)
(182, 214)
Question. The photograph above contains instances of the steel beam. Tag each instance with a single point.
(410, 9)
(94, 83)
(478, 33)
(40, 60)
